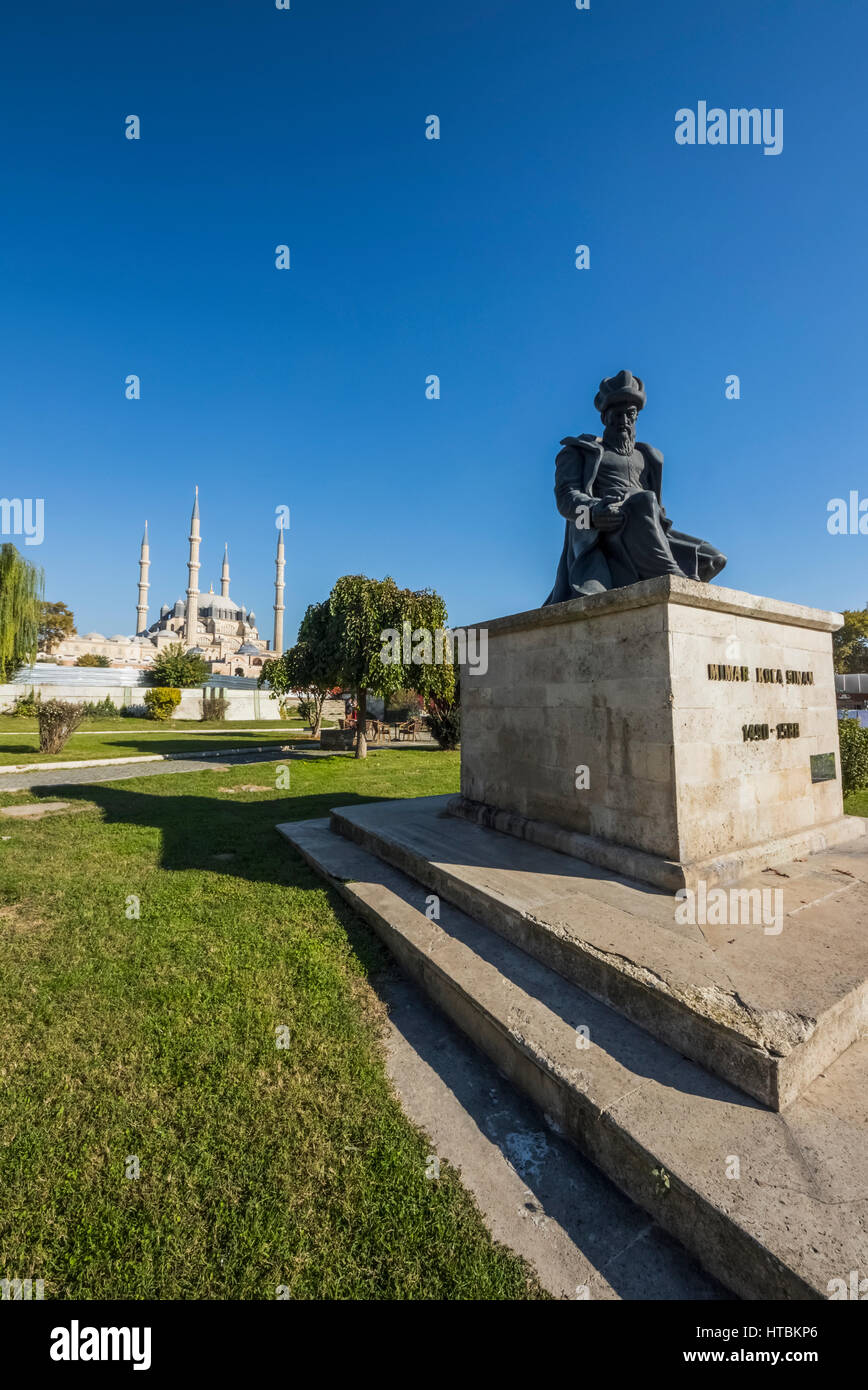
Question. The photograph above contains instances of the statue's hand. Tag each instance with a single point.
(606, 517)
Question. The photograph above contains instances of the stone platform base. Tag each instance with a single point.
(670, 730)
(649, 868)
(716, 1074)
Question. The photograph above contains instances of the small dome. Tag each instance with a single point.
(92, 637)
(119, 637)
(194, 651)
(247, 649)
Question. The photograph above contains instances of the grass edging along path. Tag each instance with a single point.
(88, 747)
(144, 758)
(154, 1038)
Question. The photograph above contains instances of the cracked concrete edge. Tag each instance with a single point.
(730, 1251)
(535, 1193)
(660, 1010)
(772, 1055)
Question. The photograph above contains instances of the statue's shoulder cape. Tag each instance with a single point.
(588, 442)
(592, 444)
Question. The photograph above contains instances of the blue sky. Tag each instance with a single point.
(409, 257)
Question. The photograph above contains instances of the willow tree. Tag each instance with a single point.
(20, 611)
(387, 640)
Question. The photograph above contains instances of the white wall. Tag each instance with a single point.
(241, 704)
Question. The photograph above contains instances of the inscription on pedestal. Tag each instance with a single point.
(763, 675)
(753, 732)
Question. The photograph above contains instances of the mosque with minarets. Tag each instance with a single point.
(213, 626)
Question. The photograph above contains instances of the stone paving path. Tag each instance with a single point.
(65, 777)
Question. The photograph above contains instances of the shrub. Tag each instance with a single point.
(100, 709)
(134, 712)
(214, 705)
(176, 668)
(162, 702)
(288, 711)
(26, 706)
(91, 659)
(854, 755)
(402, 705)
(57, 720)
(444, 721)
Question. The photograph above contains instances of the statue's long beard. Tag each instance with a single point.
(619, 441)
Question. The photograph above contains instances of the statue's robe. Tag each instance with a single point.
(583, 567)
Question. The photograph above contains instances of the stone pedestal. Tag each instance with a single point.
(671, 731)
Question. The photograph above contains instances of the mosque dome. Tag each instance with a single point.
(94, 637)
(248, 649)
(215, 606)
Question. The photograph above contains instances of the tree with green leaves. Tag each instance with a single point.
(20, 600)
(311, 667)
(92, 659)
(386, 640)
(56, 622)
(176, 668)
(850, 643)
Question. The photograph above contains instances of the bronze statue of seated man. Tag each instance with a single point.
(609, 491)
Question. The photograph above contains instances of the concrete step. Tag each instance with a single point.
(774, 1206)
(537, 1195)
(766, 1009)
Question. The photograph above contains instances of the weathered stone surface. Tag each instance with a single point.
(618, 684)
(766, 1010)
(537, 1195)
(664, 1130)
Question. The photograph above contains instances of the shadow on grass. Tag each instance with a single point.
(229, 837)
(238, 840)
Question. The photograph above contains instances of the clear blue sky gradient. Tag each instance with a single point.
(411, 257)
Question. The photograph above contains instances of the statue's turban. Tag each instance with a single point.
(625, 388)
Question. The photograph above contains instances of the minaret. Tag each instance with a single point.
(192, 614)
(278, 593)
(224, 577)
(144, 586)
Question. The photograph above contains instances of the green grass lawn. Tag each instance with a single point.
(156, 1038)
(128, 737)
(12, 724)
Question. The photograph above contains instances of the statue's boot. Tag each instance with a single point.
(709, 562)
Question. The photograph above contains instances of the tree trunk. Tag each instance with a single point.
(361, 741)
(317, 726)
